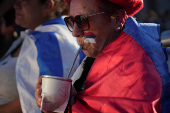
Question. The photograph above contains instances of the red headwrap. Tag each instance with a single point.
(130, 6)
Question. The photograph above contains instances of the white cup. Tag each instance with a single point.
(55, 91)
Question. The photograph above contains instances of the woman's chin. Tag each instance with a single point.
(89, 54)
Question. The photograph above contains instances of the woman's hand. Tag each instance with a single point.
(38, 92)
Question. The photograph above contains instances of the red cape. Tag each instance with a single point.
(122, 79)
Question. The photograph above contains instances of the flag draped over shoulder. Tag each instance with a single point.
(127, 76)
(48, 50)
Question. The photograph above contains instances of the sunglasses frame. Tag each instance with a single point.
(74, 18)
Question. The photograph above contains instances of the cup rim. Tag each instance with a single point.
(54, 77)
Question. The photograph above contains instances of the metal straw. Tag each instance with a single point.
(74, 62)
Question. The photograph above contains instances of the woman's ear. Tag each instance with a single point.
(120, 18)
(49, 6)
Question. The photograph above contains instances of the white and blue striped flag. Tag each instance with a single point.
(48, 50)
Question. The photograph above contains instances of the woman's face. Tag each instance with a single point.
(101, 27)
(29, 13)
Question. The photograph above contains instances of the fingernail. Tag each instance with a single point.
(39, 99)
(37, 90)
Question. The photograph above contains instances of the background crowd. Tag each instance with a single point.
(162, 18)
(155, 12)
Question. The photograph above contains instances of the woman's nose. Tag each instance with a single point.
(17, 4)
(77, 32)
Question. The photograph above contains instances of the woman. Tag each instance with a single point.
(48, 47)
(125, 76)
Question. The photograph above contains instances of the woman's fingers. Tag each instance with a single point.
(38, 88)
(38, 92)
(40, 80)
(38, 99)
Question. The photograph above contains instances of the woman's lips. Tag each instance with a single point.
(88, 33)
(18, 13)
(85, 46)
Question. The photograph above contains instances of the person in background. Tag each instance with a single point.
(5, 5)
(130, 67)
(9, 42)
(7, 31)
(48, 49)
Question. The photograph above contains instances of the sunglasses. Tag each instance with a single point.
(81, 21)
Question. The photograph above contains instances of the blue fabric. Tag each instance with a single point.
(49, 56)
(82, 56)
(147, 35)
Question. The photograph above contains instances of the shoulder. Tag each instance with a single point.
(53, 30)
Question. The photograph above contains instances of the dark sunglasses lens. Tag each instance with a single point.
(82, 22)
(69, 23)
